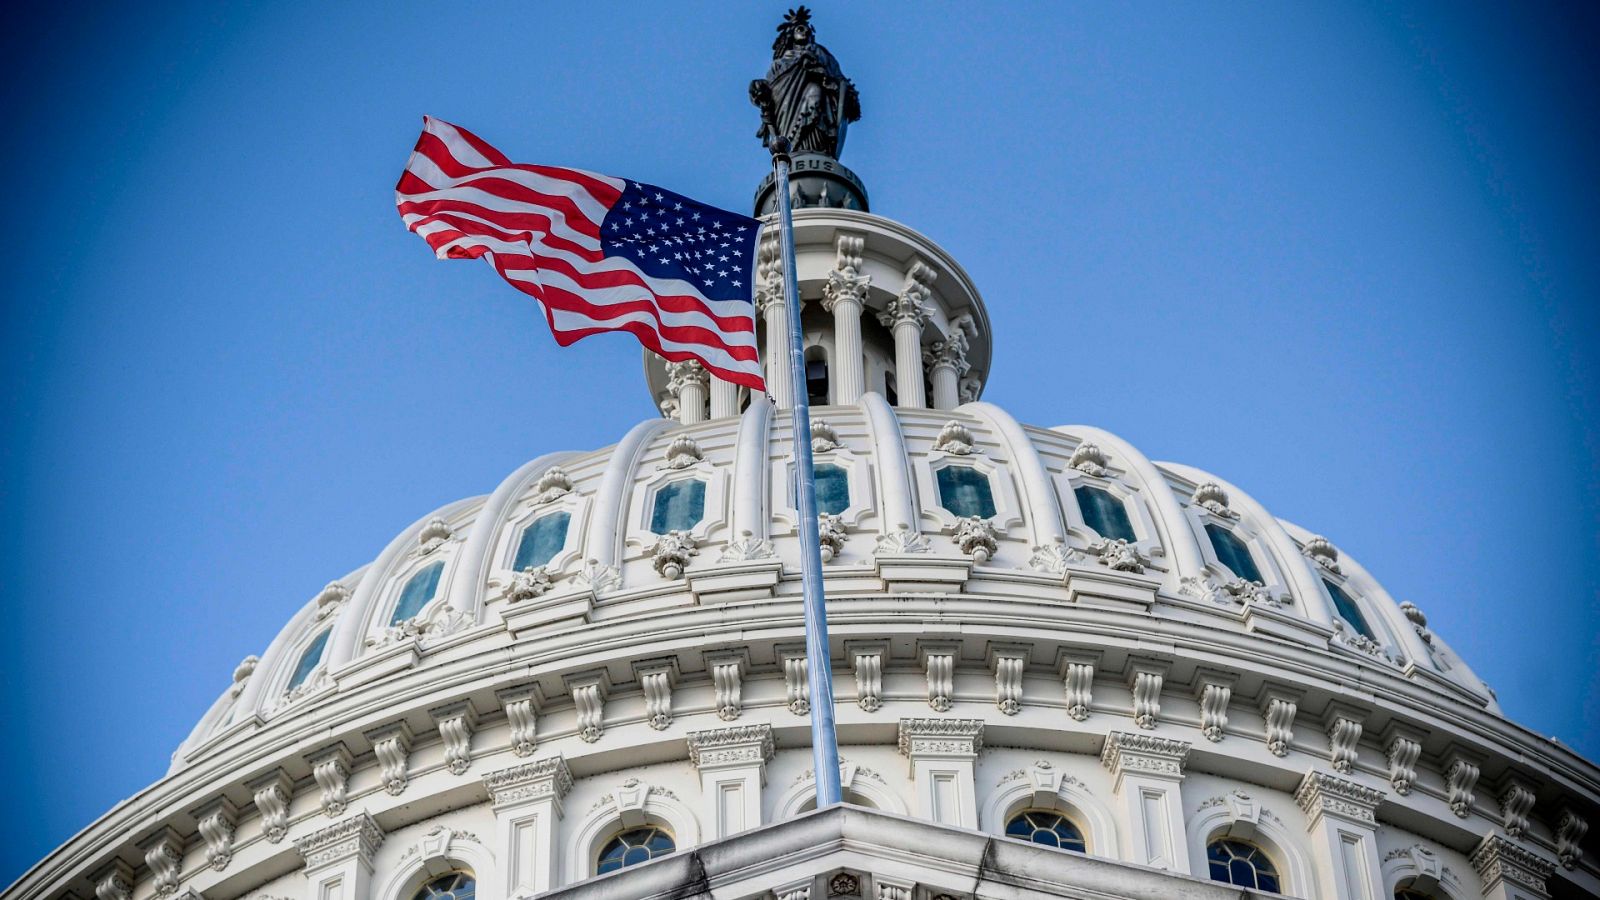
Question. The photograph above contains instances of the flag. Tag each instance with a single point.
(598, 253)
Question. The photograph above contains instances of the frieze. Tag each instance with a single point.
(1319, 793)
(529, 781)
(356, 837)
(940, 736)
(1497, 859)
(735, 745)
(1144, 753)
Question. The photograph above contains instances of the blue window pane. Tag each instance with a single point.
(634, 847)
(542, 540)
(418, 591)
(679, 506)
(1267, 882)
(833, 489)
(455, 886)
(966, 492)
(1051, 829)
(1232, 552)
(309, 659)
(1106, 514)
(1348, 610)
(1238, 863)
(1241, 873)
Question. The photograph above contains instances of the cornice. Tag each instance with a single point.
(357, 837)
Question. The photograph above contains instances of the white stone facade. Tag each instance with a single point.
(984, 665)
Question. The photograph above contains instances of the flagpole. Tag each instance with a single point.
(819, 662)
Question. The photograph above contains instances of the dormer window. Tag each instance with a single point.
(965, 491)
(1232, 553)
(417, 594)
(542, 540)
(1345, 605)
(833, 489)
(1105, 513)
(817, 381)
(679, 506)
(310, 658)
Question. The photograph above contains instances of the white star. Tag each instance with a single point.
(710, 281)
(676, 205)
(723, 274)
(736, 282)
(680, 220)
(737, 253)
(695, 217)
(722, 258)
(659, 197)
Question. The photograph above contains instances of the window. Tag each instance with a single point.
(1410, 893)
(965, 491)
(817, 381)
(1243, 865)
(679, 506)
(889, 393)
(1106, 514)
(1346, 606)
(309, 659)
(1051, 829)
(542, 540)
(633, 847)
(455, 886)
(418, 591)
(833, 489)
(1232, 553)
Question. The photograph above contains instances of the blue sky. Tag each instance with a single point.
(1343, 255)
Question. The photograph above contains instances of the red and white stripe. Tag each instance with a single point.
(539, 226)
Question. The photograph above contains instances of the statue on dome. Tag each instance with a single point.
(805, 97)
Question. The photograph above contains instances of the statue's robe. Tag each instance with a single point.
(808, 92)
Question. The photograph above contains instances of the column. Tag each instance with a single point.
(775, 316)
(947, 362)
(1148, 777)
(1510, 871)
(733, 767)
(527, 807)
(687, 381)
(905, 316)
(942, 754)
(845, 295)
(724, 399)
(338, 859)
(1343, 826)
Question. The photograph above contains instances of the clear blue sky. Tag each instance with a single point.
(1343, 256)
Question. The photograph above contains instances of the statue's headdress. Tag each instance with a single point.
(792, 20)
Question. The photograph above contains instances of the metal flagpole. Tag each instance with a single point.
(819, 663)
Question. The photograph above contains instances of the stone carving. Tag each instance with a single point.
(435, 623)
(1146, 685)
(830, 533)
(1009, 664)
(1321, 552)
(1403, 752)
(1279, 711)
(242, 673)
(803, 892)
(552, 484)
(433, 535)
(887, 891)
(1244, 593)
(823, 438)
(727, 681)
(317, 682)
(976, 537)
(844, 884)
(1088, 459)
(331, 597)
(805, 99)
(919, 737)
(358, 837)
(683, 452)
(672, 552)
(950, 351)
(531, 582)
(1344, 735)
(331, 770)
(1077, 680)
(901, 541)
(668, 404)
(272, 795)
(1319, 794)
(217, 823)
(955, 439)
(940, 662)
(1213, 499)
(656, 681)
(748, 547)
(115, 883)
(435, 845)
(521, 706)
(868, 663)
(1499, 860)
(1214, 699)
(1344, 634)
(1515, 804)
(391, 745)
(907, 310)
(969, 389)
(529, 781)
(1460, 779)
(589, 697)
(846, 285)
(163, 853)
(1052, 558)
(796, 683)
(732, 746)
(1144, 753)
(456, 722)
(599, 578)
(1118, 555)
(1569, 838)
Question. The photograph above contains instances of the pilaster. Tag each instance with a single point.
(942, 754)
(733, 768)
(1148, 777)
(904, 317)
(527, 807)
(845, 296)
(1510, 871)
(1341, 817)
(338, 859)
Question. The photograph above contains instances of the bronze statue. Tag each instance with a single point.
(805, 98)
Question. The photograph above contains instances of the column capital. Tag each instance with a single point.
(358, 837)
(1320, 794)
(1499, 860)
(1144, 754)
(736, 745)
(843, 287)
(941, 737)
(905, 309)
(535, 780)
(685, 373)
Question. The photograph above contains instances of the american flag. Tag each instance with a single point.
(598, 253)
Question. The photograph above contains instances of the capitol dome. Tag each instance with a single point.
(1062, 669)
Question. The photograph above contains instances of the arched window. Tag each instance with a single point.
(455, 886)
(633, 847)
(679, 506)
(1241, 864)
(1232, 553)
(418, 591)
(542, 540)
(816, 377)
(1345, 606)
(833, 489)
(965, 491)
(1406, 892)
(1047, 827)
(1106, 514)
(309, 658)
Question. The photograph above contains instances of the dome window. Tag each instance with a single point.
(542, 540)
(679, 506)
(418, 592)
(1345, 606)
(1242, 865)
(816, 378)
(1046, 827)
(310, 658)
(455, 886)
(833, 489)
(1232, 553)
(965, 491)
(633, 847)
(1104, 513)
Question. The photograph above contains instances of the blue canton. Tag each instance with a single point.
(668, 235)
